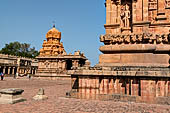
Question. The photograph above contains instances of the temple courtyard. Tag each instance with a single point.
(58, 103)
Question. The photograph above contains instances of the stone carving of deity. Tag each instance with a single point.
(126, 16)
(167, 3)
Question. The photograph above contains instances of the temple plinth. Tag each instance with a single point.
(53, 60)
(134, 63)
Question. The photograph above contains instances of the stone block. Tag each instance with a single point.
(134, 59)
(11, 96)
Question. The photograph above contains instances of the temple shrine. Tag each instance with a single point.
(134, 64)
(53, 60)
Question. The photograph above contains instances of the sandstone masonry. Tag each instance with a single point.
(134, 64)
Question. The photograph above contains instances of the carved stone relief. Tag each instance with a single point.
(136, 39)
(125, 15)
(152, 4)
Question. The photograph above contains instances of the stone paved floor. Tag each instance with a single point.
(57, 103)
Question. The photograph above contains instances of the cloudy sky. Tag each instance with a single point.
(81, 22)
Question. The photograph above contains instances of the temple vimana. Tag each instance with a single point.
(134, 64)
(53, 60)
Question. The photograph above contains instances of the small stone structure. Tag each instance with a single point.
(53, 60)
(11, 96)
(134, 64)
(41, 95)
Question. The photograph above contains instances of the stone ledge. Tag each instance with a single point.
(127, 48)
(157, 24)
(11, 91)
(111, 25)
(120, 73)
(135, 48)
(134, 64)
(141, 22)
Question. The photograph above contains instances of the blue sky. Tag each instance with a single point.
(81, 22)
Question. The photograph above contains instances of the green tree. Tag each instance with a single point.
(19, 49)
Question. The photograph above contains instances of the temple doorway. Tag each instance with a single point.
(68, 64)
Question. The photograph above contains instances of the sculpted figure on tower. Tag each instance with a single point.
(126, 15)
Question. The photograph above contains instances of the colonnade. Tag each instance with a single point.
(12, 70)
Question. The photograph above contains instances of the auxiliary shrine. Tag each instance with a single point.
(53, 59)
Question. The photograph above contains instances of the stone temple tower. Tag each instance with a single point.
(52, 46)
(134, 64)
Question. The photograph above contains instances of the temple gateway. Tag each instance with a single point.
(53, 60)
(134, 64)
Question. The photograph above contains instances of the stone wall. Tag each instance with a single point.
(147, 85)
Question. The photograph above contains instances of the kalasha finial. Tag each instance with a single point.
(54, 24)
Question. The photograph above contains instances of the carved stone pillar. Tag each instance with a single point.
(128, 85)
(80, 87)
(32, 71)
(122, 86)
(35, 71)
(135, 87)
(161, 6)
(118, 11)
(97, 86)
(169, 88)
(134, 11)
(110, 86)
(108, 12)
(18, 69)
(145, 10)
(59, 63)
(160, 88)
(101, 86)
(13, 70)
(9, 68)
(166, 87)
(93, 88)
(114, 14)
(4, 69)
(106, 85)
(83, 86)
(87, 88)
(63, 64)
(116, 85)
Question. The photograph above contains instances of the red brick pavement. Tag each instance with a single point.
(57, 103)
